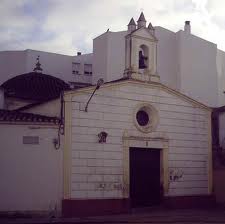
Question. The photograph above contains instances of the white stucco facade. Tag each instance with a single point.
(109, 56)
(175, 126)
(82, 61)
(101, 171)
(11, 64)
(167, 64)
(31, 173)
(197, 69)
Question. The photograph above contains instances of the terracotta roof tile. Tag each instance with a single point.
(34, 86)
(16, 116)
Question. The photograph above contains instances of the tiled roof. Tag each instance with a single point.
(15, 116)
(34, 86)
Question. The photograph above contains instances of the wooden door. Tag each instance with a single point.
(144, 177)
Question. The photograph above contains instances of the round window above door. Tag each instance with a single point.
(145, 117)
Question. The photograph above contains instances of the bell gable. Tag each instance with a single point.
(140, 55)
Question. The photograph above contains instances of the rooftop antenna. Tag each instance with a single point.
(38, 68)
(99, 83)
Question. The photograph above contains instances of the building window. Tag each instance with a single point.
(32, 140)
(76, 68)
(88, 69)
(142, 117)
(146, 117)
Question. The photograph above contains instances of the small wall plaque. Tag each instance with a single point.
(102, 137)
(32, 140)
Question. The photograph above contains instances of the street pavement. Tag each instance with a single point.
(178, 216)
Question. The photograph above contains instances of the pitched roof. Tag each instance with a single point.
(16, 116)
(34, 86)
(128, 80)
(142, 18)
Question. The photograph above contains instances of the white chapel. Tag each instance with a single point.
(133, 141)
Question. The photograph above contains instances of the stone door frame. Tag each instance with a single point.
(145, 142)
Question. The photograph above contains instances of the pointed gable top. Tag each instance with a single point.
(142, 18)
(132, 22)
(144, 32)
(150, 27)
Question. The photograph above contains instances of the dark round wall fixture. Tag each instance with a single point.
(142, 117)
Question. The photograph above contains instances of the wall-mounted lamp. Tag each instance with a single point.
(99, 83)
(56, 143)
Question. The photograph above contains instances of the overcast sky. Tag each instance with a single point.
(68, 26)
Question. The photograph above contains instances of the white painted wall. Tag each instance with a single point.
(167, 59)
(15, 103)
(116, 55)
(83, 59)
(100, 57)
(51, 108)
(197, 68)
(111, 110)
(54, 64)
(31, 175)
(109, 56)
(12, 63)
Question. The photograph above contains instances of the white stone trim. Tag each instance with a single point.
(145, 142)
(153, 117)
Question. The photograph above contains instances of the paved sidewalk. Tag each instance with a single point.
(151, 216)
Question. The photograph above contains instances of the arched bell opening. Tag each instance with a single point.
(143, 57)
